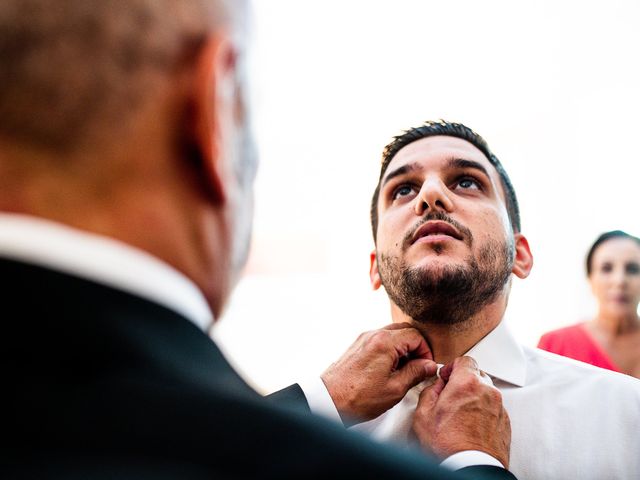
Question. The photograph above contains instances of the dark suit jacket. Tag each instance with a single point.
(99, 383)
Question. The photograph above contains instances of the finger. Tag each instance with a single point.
(459, 364)
(465, 363)
(431, 368)
(486, 379)
(410, 342)
(468, 362)
(429, 396)
(422, 350)
(397, 326)
(414, 372)
(445, 372)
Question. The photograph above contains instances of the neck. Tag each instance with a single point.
(154, 210)
(614, 323)
(448, 342)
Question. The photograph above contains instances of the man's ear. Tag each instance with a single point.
(374, 275)
(524, 259)
(213, 95)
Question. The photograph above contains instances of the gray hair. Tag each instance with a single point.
(72, 70)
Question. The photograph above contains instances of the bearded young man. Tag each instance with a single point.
(446, 226)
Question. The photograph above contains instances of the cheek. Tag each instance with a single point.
(494, 218)
(634, 282)
(392, 228)
(385, 240)
(488, 226)
(491, 216)
(598, 284)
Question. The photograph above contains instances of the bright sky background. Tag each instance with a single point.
(553, 86)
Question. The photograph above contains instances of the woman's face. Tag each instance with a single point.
(615, 276)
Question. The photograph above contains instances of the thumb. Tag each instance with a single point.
(415, 371)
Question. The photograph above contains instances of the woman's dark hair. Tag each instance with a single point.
(603, 238)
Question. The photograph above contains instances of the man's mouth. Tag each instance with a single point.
(435, 229)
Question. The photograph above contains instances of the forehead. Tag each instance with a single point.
(617, 248)
(435, 153)
(432, 151)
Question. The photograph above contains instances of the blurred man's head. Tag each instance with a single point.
(446, 225)
(128, 118)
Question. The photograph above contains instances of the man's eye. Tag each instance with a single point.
(468, 184)
(402, 191)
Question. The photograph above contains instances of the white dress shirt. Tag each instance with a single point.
(103, 260)
(569, 420)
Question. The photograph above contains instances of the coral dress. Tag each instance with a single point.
(576, 342)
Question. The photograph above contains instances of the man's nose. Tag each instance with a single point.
(433, 195)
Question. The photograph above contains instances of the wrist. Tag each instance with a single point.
(343, 405)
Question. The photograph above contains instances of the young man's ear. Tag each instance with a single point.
(213, 99)
(524, 259)
(374, 275)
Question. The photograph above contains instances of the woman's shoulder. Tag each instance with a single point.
(563, 334)
(576, 327)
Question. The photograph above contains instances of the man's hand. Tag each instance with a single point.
(462, 412)
(376, 371)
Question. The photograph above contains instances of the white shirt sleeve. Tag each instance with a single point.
(469, 458)
(319, 400)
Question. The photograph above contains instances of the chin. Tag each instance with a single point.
(623, 309)
(439, 265)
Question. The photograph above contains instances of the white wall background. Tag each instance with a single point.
(554, 87)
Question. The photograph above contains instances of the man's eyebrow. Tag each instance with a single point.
(409, 167)
(453, 163)
(463, 163)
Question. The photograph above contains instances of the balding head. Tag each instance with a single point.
(127, 118)
(76, 70)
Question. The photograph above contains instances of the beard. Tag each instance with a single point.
(452, 294)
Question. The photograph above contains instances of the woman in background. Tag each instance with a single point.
(612, 339)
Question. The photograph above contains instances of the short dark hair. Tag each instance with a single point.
(449, 129)
(603, 238)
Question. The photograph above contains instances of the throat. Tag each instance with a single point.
(450, 341)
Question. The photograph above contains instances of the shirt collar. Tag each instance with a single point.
(102, 260)
(500, 356)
